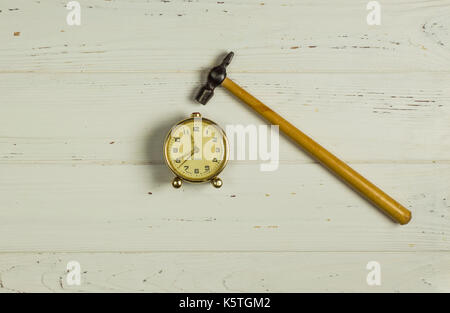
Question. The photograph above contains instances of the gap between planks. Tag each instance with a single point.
(206, 70)
(234, 163)
(225, 251)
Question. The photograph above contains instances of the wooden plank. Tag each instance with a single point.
(123, 118)
(81, 173)
(269, 36)
(225, 272)
(71, 208)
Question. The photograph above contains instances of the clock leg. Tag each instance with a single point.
(217, 182)
(177, 182)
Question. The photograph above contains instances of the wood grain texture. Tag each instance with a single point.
(123, 118)
(342, 170)
(268, 36)
(225, 272)
(296, 208)
(84, 110)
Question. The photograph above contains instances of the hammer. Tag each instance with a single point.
(218, 77)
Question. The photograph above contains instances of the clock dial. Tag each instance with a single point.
(196, 149)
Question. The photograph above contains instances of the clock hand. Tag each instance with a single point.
(187, 154)
(191, 154)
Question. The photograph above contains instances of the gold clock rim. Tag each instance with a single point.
(216, 173)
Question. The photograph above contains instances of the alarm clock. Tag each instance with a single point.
(196, 150)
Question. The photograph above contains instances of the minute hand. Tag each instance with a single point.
(190, 156)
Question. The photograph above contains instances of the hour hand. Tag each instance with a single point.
(190, 154)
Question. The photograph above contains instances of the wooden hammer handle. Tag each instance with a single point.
(391, 207)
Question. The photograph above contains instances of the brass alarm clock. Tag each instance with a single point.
(196, 150)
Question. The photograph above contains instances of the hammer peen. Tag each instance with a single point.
(218, 77)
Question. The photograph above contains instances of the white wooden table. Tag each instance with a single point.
(84, 110)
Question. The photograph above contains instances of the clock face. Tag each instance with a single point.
(196, 149)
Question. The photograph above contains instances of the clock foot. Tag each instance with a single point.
(217, 182)
(177, 182)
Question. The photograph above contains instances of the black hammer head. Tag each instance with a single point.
(215, 78)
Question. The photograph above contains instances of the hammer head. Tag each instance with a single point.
(215, 78)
